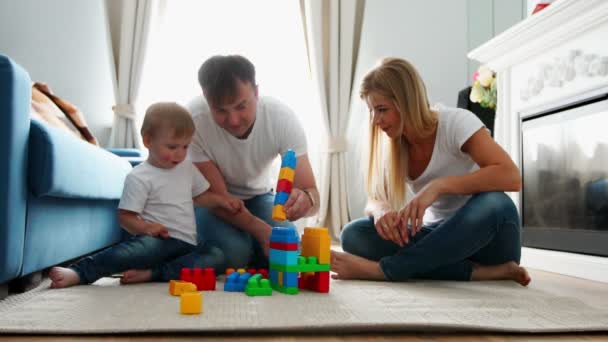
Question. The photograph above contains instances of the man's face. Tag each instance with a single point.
(237, 114)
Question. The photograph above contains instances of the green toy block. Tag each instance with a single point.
(258, 286)
(286, 290)
(304, 265)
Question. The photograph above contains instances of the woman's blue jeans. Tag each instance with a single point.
(486, 230)
(239, 247)
(164, 257)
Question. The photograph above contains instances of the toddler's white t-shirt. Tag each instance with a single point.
(245, 163)
(454, 128)
(165, 196)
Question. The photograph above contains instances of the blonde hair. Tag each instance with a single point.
(167, 116)
(397, 80)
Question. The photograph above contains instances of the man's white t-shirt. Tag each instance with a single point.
(455, 126)
(245, 163)
(165, 196)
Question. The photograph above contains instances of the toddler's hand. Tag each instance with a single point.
(232, 204)
(156, 229)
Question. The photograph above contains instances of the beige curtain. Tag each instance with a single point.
(333, 30)
(136, 21)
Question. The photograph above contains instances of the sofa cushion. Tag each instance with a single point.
(61, 165)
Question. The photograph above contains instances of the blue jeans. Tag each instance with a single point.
(165, 257)
(239, 247)
(486, 230)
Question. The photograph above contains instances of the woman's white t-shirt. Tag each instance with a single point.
(455, 126)
(245, 163)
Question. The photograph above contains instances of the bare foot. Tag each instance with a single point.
(350, 266)
(136, 276)
(63, 277)
(507, 271)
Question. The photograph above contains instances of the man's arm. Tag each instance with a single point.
(304, 198)
(243, 220)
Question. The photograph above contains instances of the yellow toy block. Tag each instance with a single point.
(241, 270)
(316, 242)
(177, 287)
(191, 303)
(287, 173)
(280, 280)
(278, 213)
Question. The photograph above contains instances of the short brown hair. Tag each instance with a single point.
(219, 76)
(167, 115)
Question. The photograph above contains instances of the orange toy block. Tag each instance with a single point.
(229, 270)
(191, 303)
(177, 287)
(287, 173)
(316, 242)
(278, 213)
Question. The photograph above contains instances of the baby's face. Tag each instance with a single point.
(166, 150)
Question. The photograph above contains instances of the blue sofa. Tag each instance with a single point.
(58, 194)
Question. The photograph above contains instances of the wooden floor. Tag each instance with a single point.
(553, 283)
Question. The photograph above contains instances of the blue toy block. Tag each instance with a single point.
(277, 256)
(289, 159)
(236, 282)
(284, 235)
(281, 198)
(290, 279)
(273, 275)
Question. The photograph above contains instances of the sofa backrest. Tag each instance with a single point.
(15, 94)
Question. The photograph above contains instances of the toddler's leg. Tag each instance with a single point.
(204, 256)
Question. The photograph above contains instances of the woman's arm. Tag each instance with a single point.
(497, 172)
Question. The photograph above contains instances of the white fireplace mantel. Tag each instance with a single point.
(525, 57)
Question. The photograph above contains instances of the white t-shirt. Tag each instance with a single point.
(454, 128)
(165, 196)
(245, 163)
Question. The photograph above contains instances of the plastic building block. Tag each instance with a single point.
(287, 173)
(283, 289)
(191, 303)
(277, 256)
(284, 246)
(258, 286)
(185, 274)
(241, 271)
(236, 282)
(284, 235)
(278, 213)
(283, 185)
(304, 265)
(289, 159)
(204, 279)
(229, 271)
(290, 279)
(318, 281)
(316, 242)
(281, 198)
(177, 287)
(263, 272)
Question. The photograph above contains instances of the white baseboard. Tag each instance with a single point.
(572, 264)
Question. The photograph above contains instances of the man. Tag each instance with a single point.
(238, 135)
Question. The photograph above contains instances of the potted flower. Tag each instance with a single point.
(483, 90)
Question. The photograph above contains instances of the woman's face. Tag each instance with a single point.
(384, 114)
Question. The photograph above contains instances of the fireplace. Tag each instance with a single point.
(564, 163)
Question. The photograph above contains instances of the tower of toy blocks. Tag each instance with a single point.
(315, 247)
(284, 185)
(283, 257)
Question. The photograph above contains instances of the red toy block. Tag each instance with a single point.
(204, 279)
(321, 282)
(284, 246)
(185, 275)
(263, 272)
(283, 185)
(251, 271)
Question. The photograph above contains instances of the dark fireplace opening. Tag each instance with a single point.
(564, 201)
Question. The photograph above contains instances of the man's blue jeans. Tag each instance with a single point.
(486, 230)
(239, 247)
(165, 257)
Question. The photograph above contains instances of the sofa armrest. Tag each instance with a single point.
(61, 165)
(126, 152)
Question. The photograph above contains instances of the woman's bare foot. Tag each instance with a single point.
(136, 276)
(350, 266)
(507, 271)
(63, 277)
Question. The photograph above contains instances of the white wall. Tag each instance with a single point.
(435, 35)
(64, 43)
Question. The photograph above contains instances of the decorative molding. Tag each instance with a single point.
(575, 265)
(558, 23)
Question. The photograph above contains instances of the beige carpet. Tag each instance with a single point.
(351, 306)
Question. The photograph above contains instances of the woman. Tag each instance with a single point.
(460, 225)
